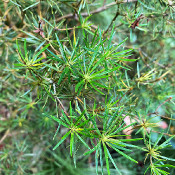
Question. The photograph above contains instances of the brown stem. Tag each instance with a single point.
(5, 135)
(156, 113)
(167, 117)
(163, 104)
(100, 9)
(116, 15)
(162, 133)
(62, 106)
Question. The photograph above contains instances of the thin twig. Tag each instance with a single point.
(54, 88)
(163, 104)
(167, 117)
(71, 28)
(4, 136)
(100, 9)
(143, 54)
(116, 15)
(163, 133)
(156, 113)
(62, 106)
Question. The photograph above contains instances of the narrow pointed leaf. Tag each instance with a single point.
(59, 121)
(106, 158)
(92, 150)
(125, 155)
(71, 143)
(41, 51)
(78, 85)
(62, 140)
(84, 143)
(113, 161)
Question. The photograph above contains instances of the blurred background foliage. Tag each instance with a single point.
(146, 89)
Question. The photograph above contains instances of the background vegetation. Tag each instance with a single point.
(87, 68)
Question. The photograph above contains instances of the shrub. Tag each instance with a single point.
(105, 94)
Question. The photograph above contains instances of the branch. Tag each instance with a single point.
(54, 88)
(62, 106)
(116, 15)
(156, 111)
(163, 103)
(5, 135)
(100, 9)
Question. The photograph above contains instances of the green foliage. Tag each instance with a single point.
(88, 83)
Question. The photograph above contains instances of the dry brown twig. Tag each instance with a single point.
(116, 15)
(156, 111)
(163, 104)
(98, 10)
(62, 106)
(59, 101)
(4, 136)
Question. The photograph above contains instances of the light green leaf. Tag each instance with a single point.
(62, 140)
(59, 121)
